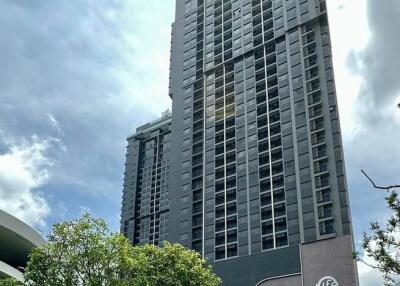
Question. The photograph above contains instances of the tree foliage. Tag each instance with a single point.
(383, 245)
(10, 282)
(84, 252)
(170, 265)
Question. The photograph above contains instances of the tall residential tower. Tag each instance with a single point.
(145, 203)
(257, 182)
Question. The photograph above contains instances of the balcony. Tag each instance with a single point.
(231, 170)
(198, 138)
(276, 142)
(197, 207)
(280, 224)
(315, 111)
(197, 233)
(197, 184)
(220, 225)
(265, 186)
(267, 228)
(263, 146)
(313, 85)
(316, 124)
(276, 155)
(279, 209)
(231, 222)
(321, 166)
(219, 211)
(277, 168)
(318, 138)
(327, 227)
(263, 133)
(322, 181)
(324, 196)
(197, 149)
(266, 213)
(274, 117)
(325, 211)
(264, 172)
(197, 220)
(267, 242)
(197, 172)
(281, 239)
(261, 110)
(275, 130)
(314, 98)
(220, 238)
(197, 195)
(310, 49)
(319, 152)
(279, 195)
(278, 181)
(219, 173)
(263, 159)
(265, 199)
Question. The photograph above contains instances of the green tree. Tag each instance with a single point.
(85, 252)
(170, 265)
(383, 245)
(79, 252)
(10, 282)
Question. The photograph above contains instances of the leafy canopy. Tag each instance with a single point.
(383, 244)
(85, 252)
(10, 282)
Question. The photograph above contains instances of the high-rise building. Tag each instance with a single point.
(257, 181)
(145, 204)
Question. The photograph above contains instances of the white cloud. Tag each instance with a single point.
(145, 79)
(347, 38)
(353, 34)
(55, 124)
(24, 168)
(369, 276)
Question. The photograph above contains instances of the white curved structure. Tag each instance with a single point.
(16, 242)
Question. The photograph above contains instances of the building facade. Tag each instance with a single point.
(17, 240)
(257, 181)
(145, 203)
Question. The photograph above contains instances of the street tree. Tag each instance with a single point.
(10, 282)
(383, 244)
(83, 252)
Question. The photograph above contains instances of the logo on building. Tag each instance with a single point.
(328, 281)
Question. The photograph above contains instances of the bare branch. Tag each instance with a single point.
(380, 187)
(357, 258)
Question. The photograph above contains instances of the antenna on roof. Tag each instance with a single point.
(166, 113)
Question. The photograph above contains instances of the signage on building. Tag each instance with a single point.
(328, 281)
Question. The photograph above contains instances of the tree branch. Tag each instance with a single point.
(357, 258)
(379, 187)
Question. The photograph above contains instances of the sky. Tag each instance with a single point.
(78, 77)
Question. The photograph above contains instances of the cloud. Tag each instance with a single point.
(367, 70)
(24, 168)
(55, 124)
(379, 65)
(88, 72)
(369, 276)
(374, 145)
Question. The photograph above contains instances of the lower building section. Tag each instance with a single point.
(249, 270)
(329, 258)
(319, 263)
(17, 240)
